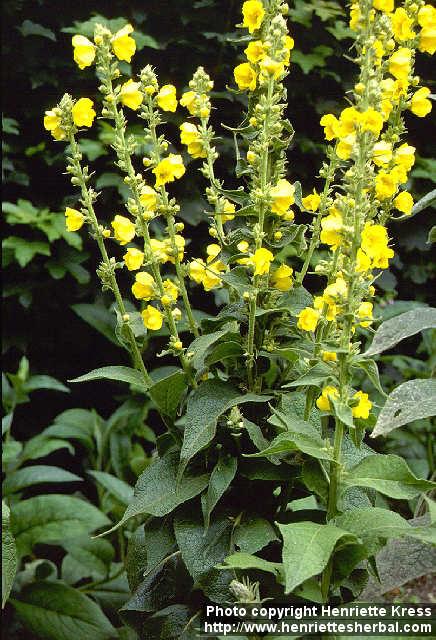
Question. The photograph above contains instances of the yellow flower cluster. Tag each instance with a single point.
(208, 273)
(190, 136)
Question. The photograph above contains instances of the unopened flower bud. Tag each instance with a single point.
(106, 233)
(278, 235)
(213, 232)
(166, 300)
(178, 345)
(126, 317)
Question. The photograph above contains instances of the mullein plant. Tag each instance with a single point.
(272, 375)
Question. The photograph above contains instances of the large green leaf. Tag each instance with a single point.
(220, 479)
(52, 519)
(307, 548)
(316, 376)
(412, 400)
(98, 317)
(157, 491)
(309, 443)
(167, 393)
(388, 474)
(201, 345)
(254, 534)
(402, 326)
(119, 373)
(9, 554)
(36, 474)
(77, 424)
(87, 557)
(210, 400)
(243, 560)
(55, 611)
(116, 487)
(41, 446)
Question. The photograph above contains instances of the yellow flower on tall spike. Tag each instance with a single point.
(345, 147)
(152, 318)
(364, 312)
(130, 95)
(253, 14)
(282, 197)
(404, 202)
(405, 156)
(385, 185)
(255, 51)
(348, 121)
(143, 287)
(189, 100)
(312, 201)
(372, 120)
(261, 261)
(329, 356)
(228, 211)
(427, 37)
(148, 198)
(427, 16)
(166, 98)
(382, 153)
(133, 259)
(197, 270)
(323, 401)
(402, 25)
(288, 44)
(271, 67)
(123, 44)
(400, 63)
(375, 245)
(124, 229)
(331, 126)
(386, 107)
(281, 278)
(52, 123)
(308, 319)
(420, 105)
(245, 76)
(384, 5)
(330, 310)
(159, 250)
(363, 262)
(169, 169)
(84, 51)
(170, 289)
(74, 219)
(190, 136)
(363, 407)
(331, 230)
(336, 291)
(83, 112)
(355, 16)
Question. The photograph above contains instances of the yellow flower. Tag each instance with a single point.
(123, 44)
(169, 169)
(312, 201)
(282, 197)
(243, 246)
(255, 51)
(363, 407)
(190, 136)
(189, 100)
(262, 261)
(166, 98)
(355, 16)
(133, 259)
(170, 289)
(331, 230)
(345, 147)
(404, 202)
(159, 250)
(385, 185)
(384, 5)
(330, 311)
(427, 16)
(427, 40)
(124, 229)
(348, 121)
(329, 356)
(382, 153)
(143, 287)
(363, 262)
(331, 126)
(402, 25)
(386, 107)
(148, 198)
(323, 401)
(253, 14)
(308, 319)
(74, 219)
(130, 95)
(179, 241)
(197, 270)
(375, 245)
(83, 112)
(84, 51)
(372, 120)
(335, 291)
(420, 105)
(365, 313)
(52, 123)
(245, 76)
(400, 63)
(272, 67)
(228, 210)
(152, 318)
(281, 278)
(405, 156)
(379, 51)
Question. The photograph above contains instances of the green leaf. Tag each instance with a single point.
(220, 480)
(201, 345)
(167, 393)
(159, 541)
(427, 201)
(116, 487)
(412, 400)
(316, 376)
(243, 560)
(36, 474)
(119, 373)
(206, 404)
(25, 250)
(295, 300)
(51, 519)
(40, 446)
(29, 28)
(157, 491)
(432, 235)
(310, 444)
(78, 424)
(379, 523)
(309, 61)
(55, 611)
(388, 474)
(43, 382)
(307, 547)
(88, 557)
(99, 318)
(9, 554)
(371, 370)
(401, 326)
(254, 534)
